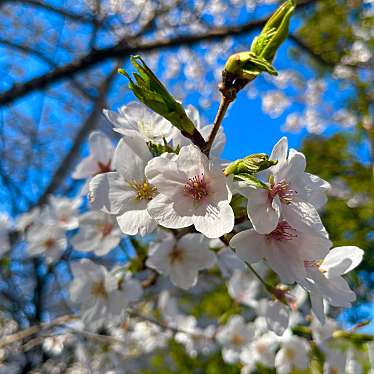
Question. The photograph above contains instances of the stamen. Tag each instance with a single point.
(312, 263)
(197, 187)
(176, 255)
(282, 189)
(283, 232)
(98, 290)
(144, 190)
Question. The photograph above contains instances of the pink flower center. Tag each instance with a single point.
(282, 189)
(197, 187)
(283, 232)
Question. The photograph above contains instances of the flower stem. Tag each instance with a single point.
(223, 106)
(258, 276)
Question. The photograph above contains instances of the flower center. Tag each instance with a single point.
(105, 229)
(176, 255)
(291, 354)
(197, 187)
(98, 290)
(282, 189)
(237, 340)
(261, 348)
(312, 263)
(144, 190)
(104, 168)
(49, 243)
(283, 232)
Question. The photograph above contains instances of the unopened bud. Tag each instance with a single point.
(151, 92)
(251, 164)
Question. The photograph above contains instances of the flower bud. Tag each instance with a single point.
(274, 33)
(151, 92)
(251, 164)
(247, 65)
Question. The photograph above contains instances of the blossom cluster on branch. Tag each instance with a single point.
(192, 225)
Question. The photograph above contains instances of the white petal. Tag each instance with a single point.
(341, 260)
(219, 220)
(131, 156)
(86, 168)
(263, 214)
(250, 246)
(163, 211)
(110, 193)
(192, 161)
(101, 147)
(136, 222)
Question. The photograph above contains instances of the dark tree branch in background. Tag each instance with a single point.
(94, 57)
(59, 11)
(86, 127)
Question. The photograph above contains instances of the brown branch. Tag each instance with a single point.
(94, 57)
(20, 335)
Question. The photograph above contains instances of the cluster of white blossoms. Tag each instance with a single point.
(183, 214)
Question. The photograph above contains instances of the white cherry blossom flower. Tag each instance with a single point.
(292, 194)
(63, 211)
(194, 339)
(137, 117)
(293, 354)
(234, 337)
(47, 240)
(98, 232)
(26, 220)
(277, 316)
(192, 191)
(181, 260)
(126, 193)
(101, 296)
(285, 249)
(261, 350)
(243, 287)
(98, 161)
(325, 281)
(335, 361)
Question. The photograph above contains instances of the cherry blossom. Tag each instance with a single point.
(134, 116)
(261, 350)
(102, 296)
(181, 260)
(46, 240)
(192, 191)
(98, 232)
(63, 211)
(243, 287)
(293, 354)
(292, 193)
(325, 281)
(285, 249)
(99, 159)
(126, 193)
(234, 337)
